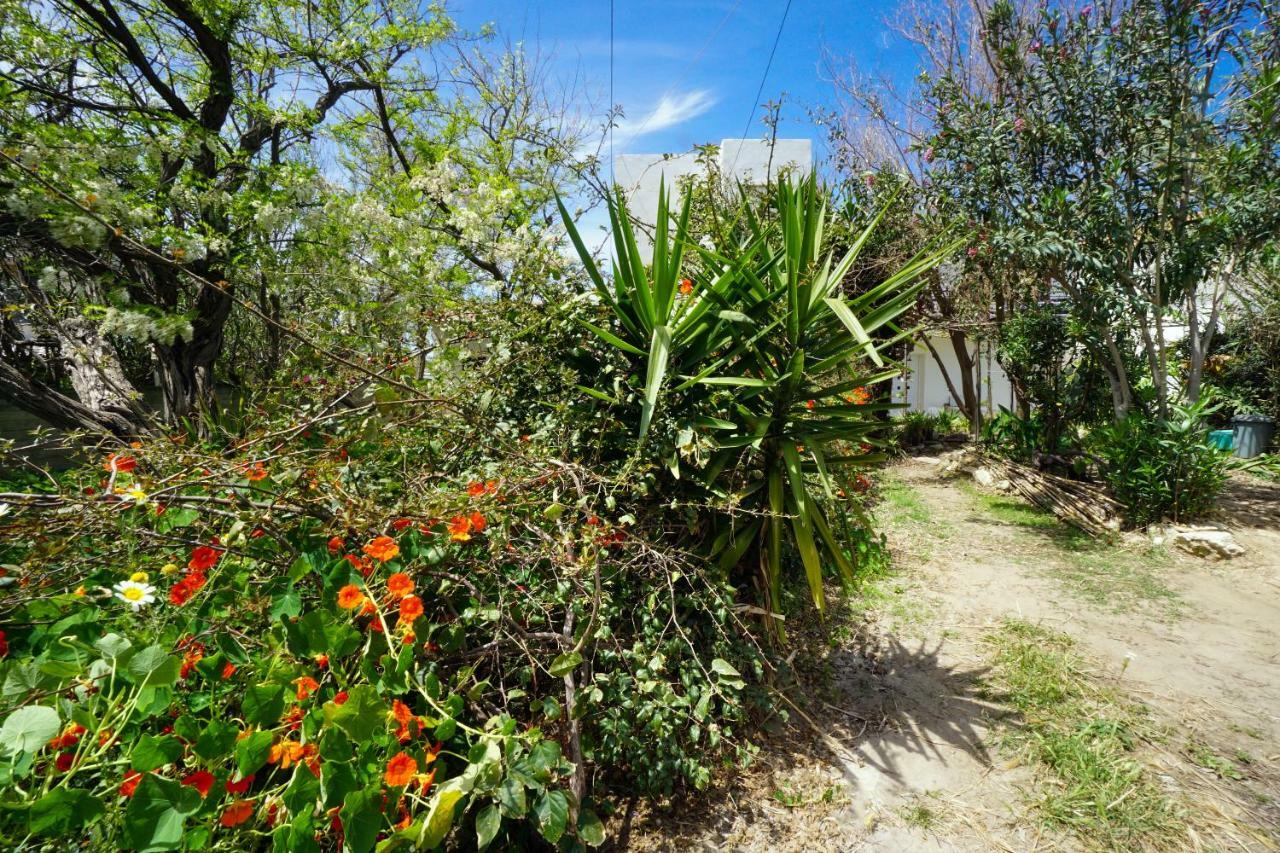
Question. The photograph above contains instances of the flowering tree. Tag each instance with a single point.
(1120, 164)
(210, 182)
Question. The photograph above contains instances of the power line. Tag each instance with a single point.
(760, 91)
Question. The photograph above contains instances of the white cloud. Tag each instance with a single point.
(669, 111)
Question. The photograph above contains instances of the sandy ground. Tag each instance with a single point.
(900, 725)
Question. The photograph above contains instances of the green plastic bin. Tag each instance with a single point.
(1222, 438)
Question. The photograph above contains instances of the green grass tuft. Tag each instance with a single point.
(1082, 736)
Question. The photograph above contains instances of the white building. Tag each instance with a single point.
(923, 388)
(749, 161)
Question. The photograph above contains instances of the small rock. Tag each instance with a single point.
(984, 476)
(1004, 486)
(1212, 542)
(929, 460)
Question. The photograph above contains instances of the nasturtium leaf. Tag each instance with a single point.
(156, 813)
(28, 729)
(565, 664)
(154, 667)
(552, 811)
(217, 739)
(361, 819)
(488, 822)
(287, 603)
(263, 704)
(113, 645)
(64, 810)
(439, 818)
(175, 518)
(446, 728)
(590, 828)
(303, 791)
(361, 716)
(153, 752)
(252, 752)
(307, 635)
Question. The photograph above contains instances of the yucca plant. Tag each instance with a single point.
(768, 362)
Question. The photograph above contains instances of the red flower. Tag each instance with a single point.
(201, 780)
(400, 524)
(477, 522)
(475, 490)
(64, 760)
(237, 813)
(239, 787)
(256, 472)
(182, 591)
(322, 661)
(189, 661)
(204, 558)
(335, 545)
(228, 670)
(306, 686)
(686, 286)
(130, 783)
(809, 404)
(123, 464)
(4, 645)
(340, 698)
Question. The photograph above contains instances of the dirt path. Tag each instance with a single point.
(903, 749)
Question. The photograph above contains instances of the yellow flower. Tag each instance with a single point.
(79, 591)
(138, 496)
(169, 569)
(139, 577)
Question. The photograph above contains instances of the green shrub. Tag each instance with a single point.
(751, 382)
(1161, 468)
(1013, 437)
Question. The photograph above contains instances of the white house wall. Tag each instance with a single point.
(923, 389)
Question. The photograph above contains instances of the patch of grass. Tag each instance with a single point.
(1102, 572)
(796, 799)
(1204, 755)
(924, 812)
(1082, 736)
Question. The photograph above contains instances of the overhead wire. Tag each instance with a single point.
(760, 91)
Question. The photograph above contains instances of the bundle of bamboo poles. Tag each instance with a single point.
(1085, 505)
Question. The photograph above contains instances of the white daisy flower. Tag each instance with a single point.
(136, 595)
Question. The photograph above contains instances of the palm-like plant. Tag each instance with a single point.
(768, 358)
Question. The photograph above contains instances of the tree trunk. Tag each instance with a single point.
(59, 410)
(185, 373)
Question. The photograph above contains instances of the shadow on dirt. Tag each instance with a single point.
(887, 717)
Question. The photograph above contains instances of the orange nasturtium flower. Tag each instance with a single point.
(686, 286)
(460, 528)
(236, 813)
(335, 545)
(399, 585)
(382, 549)
(400, 770)
(476, 489)
(201, 780)
(350, 597)
(255, 472)
(477, 522)
(306, 686)
(289, 752)
(410, 608)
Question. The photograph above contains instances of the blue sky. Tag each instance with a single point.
(687, 71)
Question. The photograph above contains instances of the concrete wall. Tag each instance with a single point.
(751, 161)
